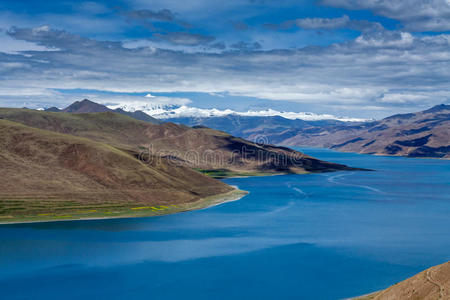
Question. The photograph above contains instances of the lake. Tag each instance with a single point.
(313, 236)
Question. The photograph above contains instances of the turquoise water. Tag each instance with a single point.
(315, 236)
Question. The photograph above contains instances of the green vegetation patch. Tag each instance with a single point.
(38, 210)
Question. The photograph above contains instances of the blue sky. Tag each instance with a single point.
(355, 58)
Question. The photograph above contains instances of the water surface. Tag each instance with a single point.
(314, 236)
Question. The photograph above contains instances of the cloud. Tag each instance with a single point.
(58, 39)
(185, 38)
(246, 46)
(347, 76)
(323, 23)
(146, 14)
(11, 45)
(386, 39)
(337, 23)
(146, 17)
(91, 7)
(327, 24)
(416, 15)
(240, 26)
(218, 45)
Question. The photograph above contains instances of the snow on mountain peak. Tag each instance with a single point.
(167, 111)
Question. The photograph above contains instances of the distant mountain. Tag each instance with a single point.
(433, 283)
(272, 130)
(138, 115)
(53, 109)
(173, 111)
(87, 106)
(422, 134)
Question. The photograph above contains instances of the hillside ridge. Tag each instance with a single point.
(201, 148)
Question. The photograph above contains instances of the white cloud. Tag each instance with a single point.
(323, 23)
(381, 39)
(14, 46)
(416, 15)
(413, 98)
(351, 74)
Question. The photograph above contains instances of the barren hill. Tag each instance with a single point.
(44, 171)
(431, 284)
(421, 134)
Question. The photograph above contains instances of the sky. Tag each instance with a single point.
(346, 58)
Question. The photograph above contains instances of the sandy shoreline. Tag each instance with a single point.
(202, 203)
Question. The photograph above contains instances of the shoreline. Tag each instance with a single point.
(372, 154)
(368, 296)
(202, 203)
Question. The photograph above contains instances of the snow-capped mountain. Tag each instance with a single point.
(161, 111)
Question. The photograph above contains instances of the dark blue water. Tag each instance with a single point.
(315, 236)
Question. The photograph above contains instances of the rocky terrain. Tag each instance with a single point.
(421, 134)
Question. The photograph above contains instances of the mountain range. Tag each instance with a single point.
(420, 134)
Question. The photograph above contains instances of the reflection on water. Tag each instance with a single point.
(321, 236)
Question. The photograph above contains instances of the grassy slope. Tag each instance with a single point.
(47, 175)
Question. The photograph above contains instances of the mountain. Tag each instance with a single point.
(53, 109)
(433, 283)
(48, 173)
(138, 115)
(271, 130)
(421, 134)
(248, 127)
(201, 148)
(87, 106)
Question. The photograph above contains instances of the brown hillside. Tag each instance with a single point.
(431, 284)
(421, 134)
(38, 166)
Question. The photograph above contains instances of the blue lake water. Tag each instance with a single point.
(314, 236)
